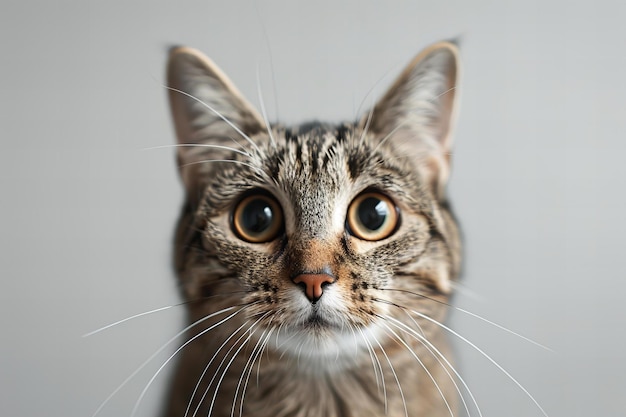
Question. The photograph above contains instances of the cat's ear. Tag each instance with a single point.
(417, 113)
(207, 110)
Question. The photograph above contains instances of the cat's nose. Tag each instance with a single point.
(313, 284)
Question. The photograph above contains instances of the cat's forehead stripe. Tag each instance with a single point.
(312, 147)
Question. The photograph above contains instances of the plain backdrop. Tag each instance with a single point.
(87, 211)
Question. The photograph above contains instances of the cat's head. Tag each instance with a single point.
(320, 230)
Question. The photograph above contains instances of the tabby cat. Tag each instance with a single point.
(316, 260)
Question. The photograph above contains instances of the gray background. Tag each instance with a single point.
(88, 213)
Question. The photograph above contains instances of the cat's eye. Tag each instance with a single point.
(372, 216)
(257, 218)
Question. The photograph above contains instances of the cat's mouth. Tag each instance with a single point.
(315, 321)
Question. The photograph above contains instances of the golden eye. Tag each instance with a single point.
(372, 216)
(257, 218)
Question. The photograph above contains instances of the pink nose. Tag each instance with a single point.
(313, 284)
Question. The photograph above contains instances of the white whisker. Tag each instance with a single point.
(269, 51)
(290, 338)
(239, 145)
(206, 368)
(254, 356)
(219, 382)
(432, 378)
(443, 326)
(277, 337)
(372, 88)
(300, 347)
(432, 349)
(367, 125)
(375, 358)
(395, 376)
(224, 160)
(218, 114)
(386, 138)
(474, 315)
(445, 92)
(200, 145)
(278, 316)
(356, 344)
(145, 313)
(243, 373)
(263, 112)
(219, 366)
(203, 332)
(143, 365)
(414, 322)
(505, 329)
(418, 156)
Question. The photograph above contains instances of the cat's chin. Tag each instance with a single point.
(321, 346)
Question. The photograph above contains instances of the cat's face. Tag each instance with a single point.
(320, 231)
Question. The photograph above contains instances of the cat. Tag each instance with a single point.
(317, 261)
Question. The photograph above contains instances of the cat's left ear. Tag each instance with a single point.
(207, 109)
(416, 115)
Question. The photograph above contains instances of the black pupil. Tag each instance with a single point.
(372, 213)
(257, 216)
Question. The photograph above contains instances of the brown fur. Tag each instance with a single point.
(323, 358)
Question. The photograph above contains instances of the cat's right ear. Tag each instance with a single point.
(416, 115)
(207, 110)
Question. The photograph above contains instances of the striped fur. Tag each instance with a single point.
(359, 350)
